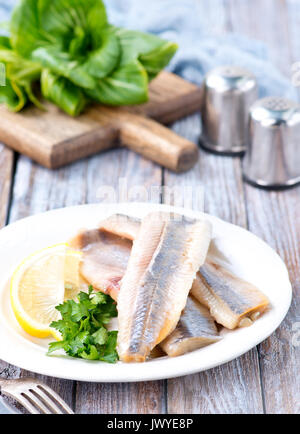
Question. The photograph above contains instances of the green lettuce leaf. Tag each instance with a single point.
(21, 74)
(62, 17)
(25, 74)
(158, 59)
(79, 55)
(63, 93)
(126, 85)
(5, 42)
(103, 60)
(25, 32)
(61, 63)
(8, 56)
(13, 96)
(153, 52)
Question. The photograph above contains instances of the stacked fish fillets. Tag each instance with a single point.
(164, 260)
(149, 267)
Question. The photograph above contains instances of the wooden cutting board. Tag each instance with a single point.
(54, 139)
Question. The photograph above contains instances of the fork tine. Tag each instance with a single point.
(49, 401)
(26, 404)
(36, 401)
(56, 397)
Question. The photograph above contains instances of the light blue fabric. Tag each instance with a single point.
(200, 49)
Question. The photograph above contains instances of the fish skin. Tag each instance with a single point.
(128, 227)
(195, 329)
(230, 299)
(162, 266)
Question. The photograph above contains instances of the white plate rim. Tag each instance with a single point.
(83, 370)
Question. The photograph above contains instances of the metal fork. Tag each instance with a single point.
(34, 396)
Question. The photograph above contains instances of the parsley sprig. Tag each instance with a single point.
(82, 326)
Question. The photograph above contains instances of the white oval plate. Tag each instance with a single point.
(245, 254)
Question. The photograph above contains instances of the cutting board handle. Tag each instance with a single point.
(158, 143)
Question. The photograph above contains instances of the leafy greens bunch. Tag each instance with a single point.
(77, 56)
(82, 326)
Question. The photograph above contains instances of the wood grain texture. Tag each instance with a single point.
(120, 175)
(234, 387)
(170, 99)
(6, 173)
(121, 398)
(54, 139)
(158, 143)
(214, 185)
(113, 176)
(35, 190)
(265, 21)
(274, 216)
(129, 178)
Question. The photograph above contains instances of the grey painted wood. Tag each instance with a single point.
(236, 386)
(124, 171)
(6, 173)
(6, 177)
(37, 189)
(265, 21)
(274, 216)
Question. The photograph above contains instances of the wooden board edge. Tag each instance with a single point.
(85, 145)
(24, 146)
(188, 105)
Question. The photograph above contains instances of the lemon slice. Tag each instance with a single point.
(74, 282)
(38, 285)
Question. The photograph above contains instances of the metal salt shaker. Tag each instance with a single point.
(229, 91)
(273, 156)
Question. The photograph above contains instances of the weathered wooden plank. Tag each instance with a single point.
(234, 387)
(99, 128)
(274, 216)
(36, 190)
(6, 173)
(121, 175)
(293, 18)
(120, 398)
(265, 21)
(6, 179)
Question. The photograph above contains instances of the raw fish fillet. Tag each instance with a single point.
(188, 336)
(232, 301)
(162, 266)
(122, 225)
(105, 258)
(195, 330)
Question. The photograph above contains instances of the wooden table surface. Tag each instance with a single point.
(264, 380)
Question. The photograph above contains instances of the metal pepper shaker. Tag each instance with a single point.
(273, 156)
(229, 91)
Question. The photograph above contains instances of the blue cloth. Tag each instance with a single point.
(200, 50)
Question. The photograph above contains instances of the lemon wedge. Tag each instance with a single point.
(41, 282)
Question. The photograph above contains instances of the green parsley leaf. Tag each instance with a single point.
(82, 326)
